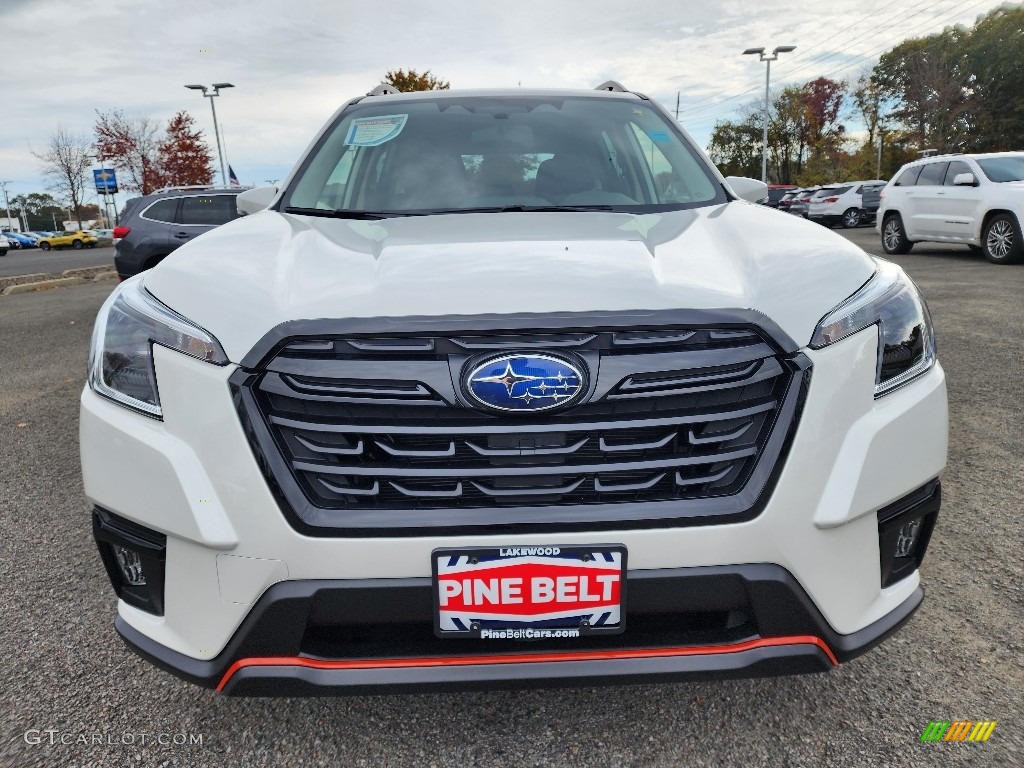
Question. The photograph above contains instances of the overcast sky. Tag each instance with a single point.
(294, 62)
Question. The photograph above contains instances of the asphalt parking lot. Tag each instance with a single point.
(67, 676)
(27, 261)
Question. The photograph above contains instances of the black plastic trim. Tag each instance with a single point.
(109, 530)
(302, 681)
(312, 520)
(277, 623)
(416, 325)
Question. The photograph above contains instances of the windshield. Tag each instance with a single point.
(999, 169)
(454, 154)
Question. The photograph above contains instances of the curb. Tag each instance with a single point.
(58, 282)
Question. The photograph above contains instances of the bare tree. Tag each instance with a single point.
(65, 162)
(132, 144)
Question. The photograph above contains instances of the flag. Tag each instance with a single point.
(232, 179)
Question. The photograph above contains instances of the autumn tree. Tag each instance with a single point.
(131, 145)
(410, 80)
(65, 162)
(183, 156)
(149, 161)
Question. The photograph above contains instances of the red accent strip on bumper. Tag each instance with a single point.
(524, 658)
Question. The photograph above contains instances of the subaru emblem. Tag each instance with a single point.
(525, 383)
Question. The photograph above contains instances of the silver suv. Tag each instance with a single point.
(977, 200)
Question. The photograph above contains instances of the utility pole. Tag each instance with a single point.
(878, 167)
(677, 105)
(7, 206)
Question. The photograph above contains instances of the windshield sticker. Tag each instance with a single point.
(374, 131)
(658, 136)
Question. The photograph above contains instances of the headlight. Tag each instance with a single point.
(906, 339)
(130, 322)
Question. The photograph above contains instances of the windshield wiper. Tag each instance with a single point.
(515, 208)
(344, 213)
(341, 213)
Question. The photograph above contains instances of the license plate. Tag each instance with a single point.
(529, 593)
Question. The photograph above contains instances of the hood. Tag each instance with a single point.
(246, 277)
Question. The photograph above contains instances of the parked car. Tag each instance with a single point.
(23, 240)
(74, 240)
(104, 237)
(788, 198)
(5, 245)
(416, 423)
(154, 226)
(775, 194)
(840, 205)
(977, 200)
(798, 206)
(871, 198)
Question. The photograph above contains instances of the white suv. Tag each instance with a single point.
(839, 204)
(506, 388)
(977, 200)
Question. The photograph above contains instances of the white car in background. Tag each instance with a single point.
(840, 204)
(977, 200)
(5, 245)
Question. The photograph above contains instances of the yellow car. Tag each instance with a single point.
(75, 240)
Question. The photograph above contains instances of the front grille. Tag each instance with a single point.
(371, 433)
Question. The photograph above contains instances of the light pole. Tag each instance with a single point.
(767, 79)
(216, 131)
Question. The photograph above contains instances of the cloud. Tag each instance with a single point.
(294, 63)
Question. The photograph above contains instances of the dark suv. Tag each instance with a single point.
(154, 225)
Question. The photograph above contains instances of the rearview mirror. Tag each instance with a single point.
(965, 180)
(751, 190)
(254, 200)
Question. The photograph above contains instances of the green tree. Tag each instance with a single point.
(410, 80)
(995, 80)
(926, 79)
(735, 148)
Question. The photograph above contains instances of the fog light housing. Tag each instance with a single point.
(134, 557)
(130, 563)
(904, 529)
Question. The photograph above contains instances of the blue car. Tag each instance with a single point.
(22, 240)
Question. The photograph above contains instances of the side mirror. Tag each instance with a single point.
(751, 190)
(255, 200)
(965, 180)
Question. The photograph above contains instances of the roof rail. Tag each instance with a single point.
(183, 188)
(384, 89)
(612, 85)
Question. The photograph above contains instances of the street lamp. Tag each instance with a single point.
(767, 78)
(216, 131)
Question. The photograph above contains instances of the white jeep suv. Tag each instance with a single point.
(977, 200)
(508, 388)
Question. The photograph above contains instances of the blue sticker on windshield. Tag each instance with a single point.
(659, 136)
(374, 131)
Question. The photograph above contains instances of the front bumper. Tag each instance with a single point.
(363, 636)
(194, 479)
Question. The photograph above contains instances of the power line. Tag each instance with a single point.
(869, 55)
(797, 59)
